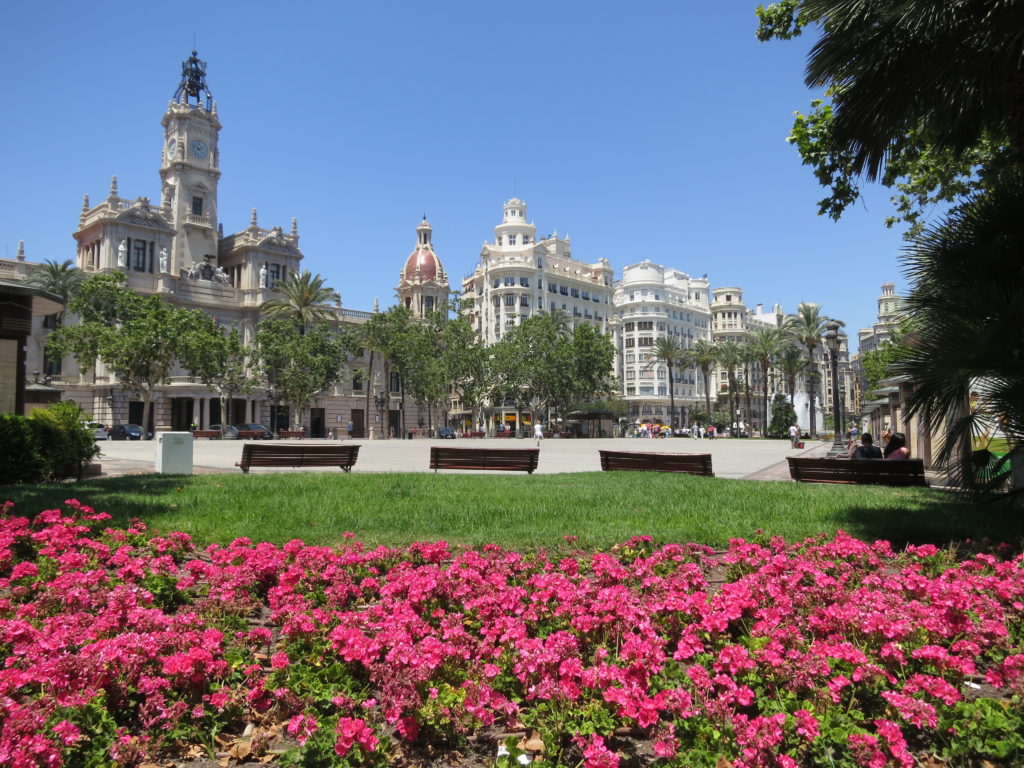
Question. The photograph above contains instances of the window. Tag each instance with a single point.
(524, 281)
(357, 381)
(524, 301)
(51, 362)
(646, 325)
(662, 390)
(631, 390)
(428, 302)
(497, 282)
(631, 374)
(574, 292)
(510, 301)
(197, 206)
(586, 295)
(275, 275)
(631, 358)
(630, 343)
(661, 373)
(552, 288)
(563, 290)
(496, 301)
(630, 326)
(511, 239)
(139, 255)
(510, 281)
(643, 357)
(395, 383)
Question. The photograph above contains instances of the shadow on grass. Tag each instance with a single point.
(124, 498)
(939, 522)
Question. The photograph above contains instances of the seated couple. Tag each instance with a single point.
(895, 450)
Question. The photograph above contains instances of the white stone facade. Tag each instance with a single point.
(520, 275)
(652, 302)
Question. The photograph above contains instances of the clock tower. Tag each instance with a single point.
(191, 168)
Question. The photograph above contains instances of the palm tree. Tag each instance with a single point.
(949, 71)
(669, 352)
(306, 299)
(729, 358)
(766, 343)
(703, 354)
(791, 363)
(748, 359)
(59, 279)
(807, 326)
(967, 336)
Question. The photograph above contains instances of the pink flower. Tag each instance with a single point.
(353, 730)
(279, 660)
(302, 727)
(68, 732)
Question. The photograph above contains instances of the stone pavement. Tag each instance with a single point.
(740, 459)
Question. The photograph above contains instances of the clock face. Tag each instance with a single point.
(198, 149)
(172, 149)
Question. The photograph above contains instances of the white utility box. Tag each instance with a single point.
(174, 453)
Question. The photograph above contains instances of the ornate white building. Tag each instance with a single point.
(652, 302)
(177, 249)
(520, 275)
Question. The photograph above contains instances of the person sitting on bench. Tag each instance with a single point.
(866, 450)
(896, 449)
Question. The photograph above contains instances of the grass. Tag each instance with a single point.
(520, 511)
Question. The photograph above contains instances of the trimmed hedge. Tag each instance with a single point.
(51, 444)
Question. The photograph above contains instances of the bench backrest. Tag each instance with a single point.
(690, 463)
(268, 450)
(524, 459)
(869, 471)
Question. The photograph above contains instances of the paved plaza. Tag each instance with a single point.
(749, 459)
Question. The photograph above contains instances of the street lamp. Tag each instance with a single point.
(381, 401)
(832, 342)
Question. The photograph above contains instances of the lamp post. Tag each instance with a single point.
(381, 401)
(832, 342)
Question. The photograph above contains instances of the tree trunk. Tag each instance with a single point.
(671, 401)
(369, 387)
(147, 399)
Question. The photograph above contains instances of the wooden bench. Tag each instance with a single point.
(474, 434)
(250, 434)
(508, 459)
(284, 434)
(857, 471)
(278, 455)
(689, 463)
(210, 434)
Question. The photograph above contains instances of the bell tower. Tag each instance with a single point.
(191, 168)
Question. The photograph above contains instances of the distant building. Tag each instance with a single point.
(423, 284)
(652, 302)
(520, 275)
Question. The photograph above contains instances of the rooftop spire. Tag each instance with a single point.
(21, 250)
(193, 83)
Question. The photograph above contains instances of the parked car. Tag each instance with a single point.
(446, 433)
(227, 432)
(266, 433)
(127, 432)
(99, 431)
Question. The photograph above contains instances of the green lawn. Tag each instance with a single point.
(520, 511)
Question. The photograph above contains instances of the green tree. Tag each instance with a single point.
(965, 352)
(782, 416)
(139, 339)
(807, 327)
(704, 355)
(923, 97)
(591, 356)
(766, 344)
(59, 279)
(669, 352)
(298, 362)
(791, 364)
(221, 361)
(748, 359)
(729, 359)
(307, 300)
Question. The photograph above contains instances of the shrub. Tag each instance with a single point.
(20, 458)
(782, 416)
(63, 441)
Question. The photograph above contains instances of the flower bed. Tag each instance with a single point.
(122, 647)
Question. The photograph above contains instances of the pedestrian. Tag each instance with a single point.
(794, 434)
(703, 432)
(538, 433)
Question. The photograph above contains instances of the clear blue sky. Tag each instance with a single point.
(643, 130)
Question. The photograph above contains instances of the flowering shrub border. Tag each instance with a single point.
(124, 646)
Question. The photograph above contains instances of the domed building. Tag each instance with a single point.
(423, 283)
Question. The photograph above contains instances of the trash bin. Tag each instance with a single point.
(173, 453)
(408, 435)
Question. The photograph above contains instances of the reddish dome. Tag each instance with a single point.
(422, 265)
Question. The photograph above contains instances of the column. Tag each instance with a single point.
(197, 412)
